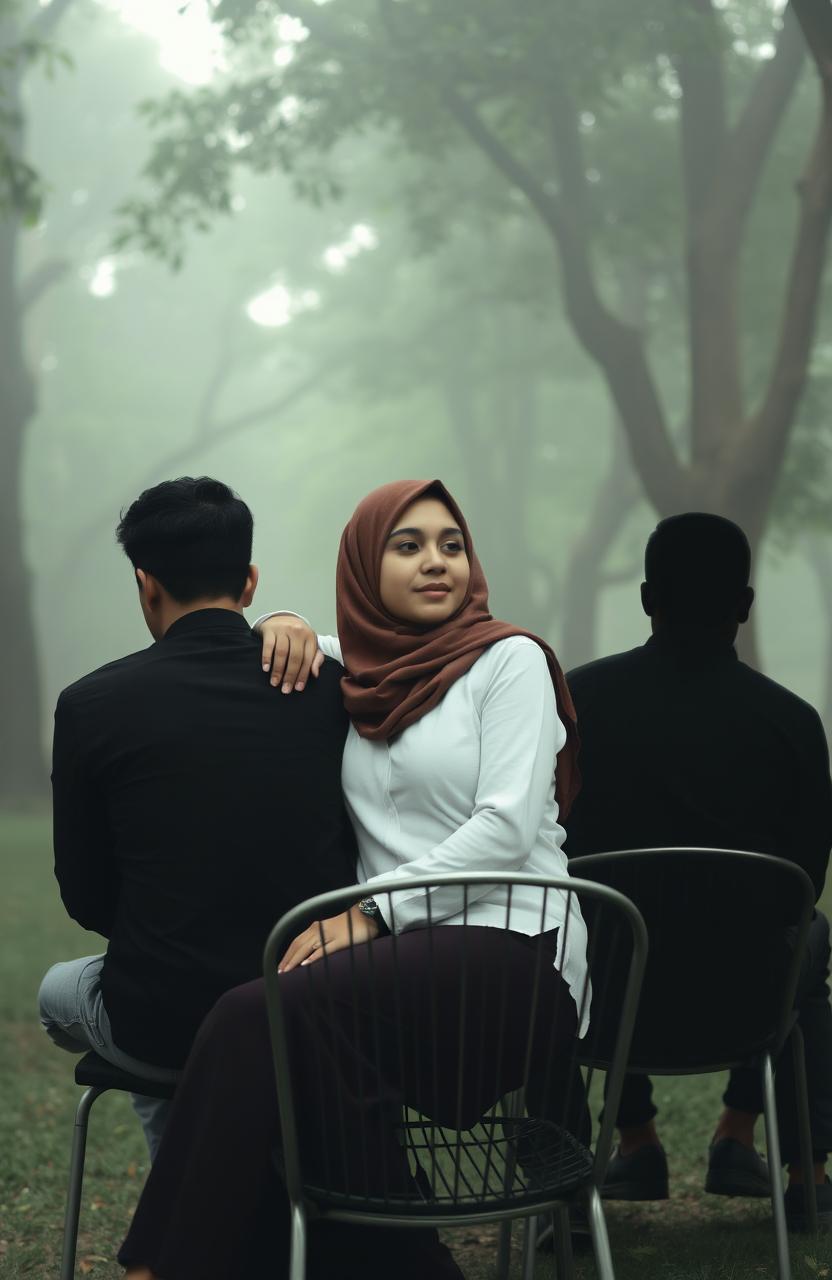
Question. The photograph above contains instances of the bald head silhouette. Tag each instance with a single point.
(696, 570)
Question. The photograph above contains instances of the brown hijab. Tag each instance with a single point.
(399, 671)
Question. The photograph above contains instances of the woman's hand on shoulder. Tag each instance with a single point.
(290, 651)
(325, 937)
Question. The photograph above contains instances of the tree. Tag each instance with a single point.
(533, 89)
(23, 43)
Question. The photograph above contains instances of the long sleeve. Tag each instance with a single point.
(810, 828)
(84, 866)
(519, 740)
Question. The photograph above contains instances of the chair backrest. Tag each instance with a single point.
(471, 1021)
(727, 930)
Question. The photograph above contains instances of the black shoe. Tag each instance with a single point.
(640, 1176)
(796, 1210)
(736, 1170)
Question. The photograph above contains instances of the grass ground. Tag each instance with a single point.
(691, 1237)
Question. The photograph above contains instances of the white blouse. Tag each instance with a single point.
(470, 787)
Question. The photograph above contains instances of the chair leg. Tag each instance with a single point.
(546, 1233)
(804, 1129)
(778, 1207)
(512, 1108)
(76, 1182)
(529, 1248)
(297, 1258)
(598, 1232)
(504, 1249)
(562, 1227)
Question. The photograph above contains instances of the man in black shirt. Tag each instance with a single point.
(192, 805)
(683, 744)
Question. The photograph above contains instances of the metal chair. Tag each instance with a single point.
(720, 983)
(99, 1076)
(495, 1165)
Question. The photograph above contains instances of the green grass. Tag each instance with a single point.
(691, 1237)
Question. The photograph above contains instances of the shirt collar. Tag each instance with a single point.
(206, 620)
(696, 649)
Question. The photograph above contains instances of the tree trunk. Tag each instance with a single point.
(496, 430)
(584, 580)
(736, 456)
(22, 772)
(820, 561)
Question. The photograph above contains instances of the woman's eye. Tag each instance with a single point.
(453, 546)
(407, 546)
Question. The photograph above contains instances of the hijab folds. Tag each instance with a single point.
(398, 670)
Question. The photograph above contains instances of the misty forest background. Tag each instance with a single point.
(573, 259)
(571, 256)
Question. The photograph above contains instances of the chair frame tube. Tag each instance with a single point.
(778, 1207)
(804, 1129)
(72, 1215)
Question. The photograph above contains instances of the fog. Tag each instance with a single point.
(364, 274)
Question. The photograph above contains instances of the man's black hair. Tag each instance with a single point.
(193, 535)
(697, 566)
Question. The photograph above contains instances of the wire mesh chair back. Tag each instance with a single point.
(432, 1075)
(727, 931)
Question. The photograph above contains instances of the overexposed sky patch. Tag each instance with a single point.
(191, 46)
(102, 278)
(336, 257)
(277, 306)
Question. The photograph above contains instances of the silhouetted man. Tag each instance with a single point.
(192, 804)
(683, 744)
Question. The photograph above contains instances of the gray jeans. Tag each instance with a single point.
(72, 1014)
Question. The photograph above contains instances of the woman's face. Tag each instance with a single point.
(424, 568)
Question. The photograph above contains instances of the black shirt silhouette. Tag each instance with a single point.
(193, 805)
(686, 745)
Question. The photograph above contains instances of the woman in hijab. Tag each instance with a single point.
(461, 756)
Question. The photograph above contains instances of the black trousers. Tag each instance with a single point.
(744, 1091)
(465, 998)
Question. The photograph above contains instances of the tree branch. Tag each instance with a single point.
(767, 433)
(215, 435)
(815, 18)
(715, 393)
(703, 116)
(617, 347)
(722, 170)
(39, 281)
(584, 578)
(545, 205)
(749, 143)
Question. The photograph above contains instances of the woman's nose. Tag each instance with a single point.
(433, 561)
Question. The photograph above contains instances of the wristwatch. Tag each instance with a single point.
(369, 907)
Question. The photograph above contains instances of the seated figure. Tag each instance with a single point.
(192, 807)
(460, 757)
(683, 744)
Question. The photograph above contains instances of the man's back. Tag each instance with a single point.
(193, 805)
(690, 747)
